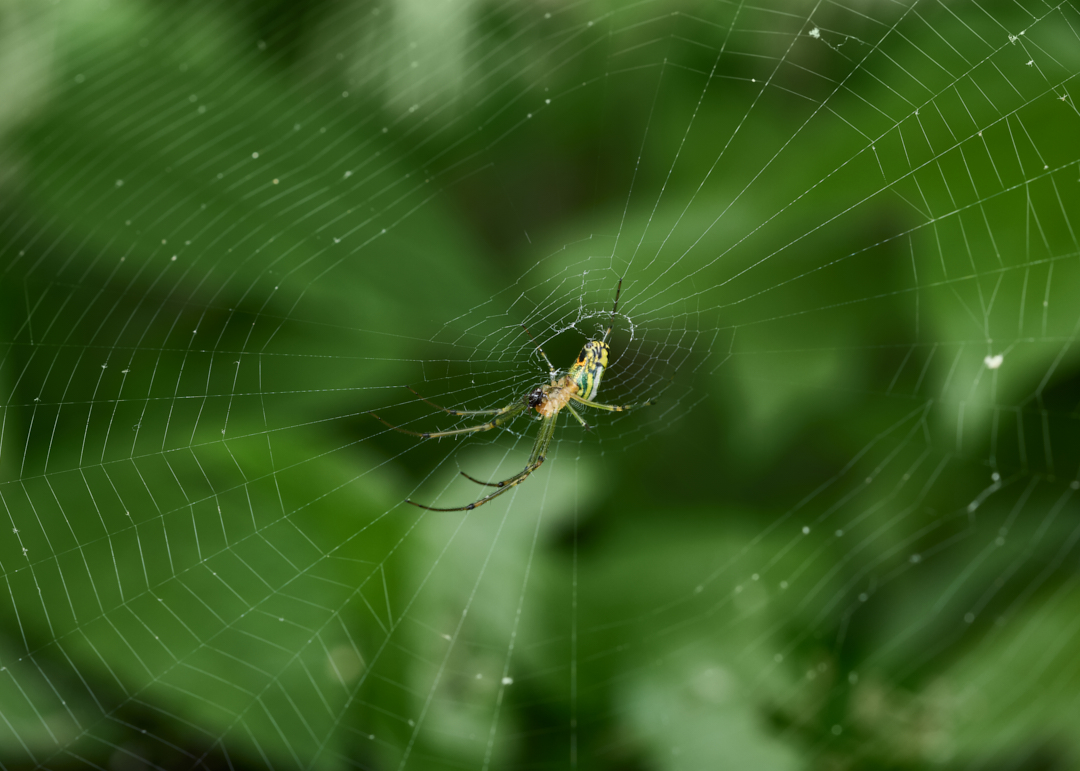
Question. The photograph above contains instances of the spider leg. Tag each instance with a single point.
(503, 486)
(551, 368)
(455, 412)
(505, 415)
(608, 407)
(482, 482)
(615, 307)
(536, 457)
(580, 419)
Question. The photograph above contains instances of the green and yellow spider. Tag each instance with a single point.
(579, 384)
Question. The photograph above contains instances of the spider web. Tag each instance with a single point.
(844, 535)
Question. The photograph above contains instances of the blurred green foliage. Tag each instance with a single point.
(229, 229)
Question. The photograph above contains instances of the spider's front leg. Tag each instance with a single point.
(455, 412)
(503, 486)
(505, 415)
(536, 458)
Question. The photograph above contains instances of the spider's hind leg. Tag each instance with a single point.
(610, 407)
(581, 420)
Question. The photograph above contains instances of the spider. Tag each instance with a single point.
(579, 384)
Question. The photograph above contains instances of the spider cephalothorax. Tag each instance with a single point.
(579, 384)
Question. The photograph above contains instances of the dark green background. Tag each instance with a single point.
(839, 540)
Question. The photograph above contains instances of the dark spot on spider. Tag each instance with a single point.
(470, 507)
(536, 398)
(425, 436)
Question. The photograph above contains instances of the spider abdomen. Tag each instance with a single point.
(589, 368)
